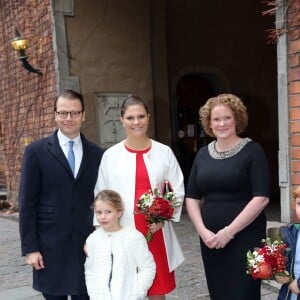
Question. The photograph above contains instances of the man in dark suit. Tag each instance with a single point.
(55, 201)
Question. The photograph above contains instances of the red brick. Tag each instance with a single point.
(294, 47)
(295, 153)
(295, 140)
(294, 6)
(295, 127)
(295, 165)
(294, 34)
(294, 87)
(294, 100)
(295, 178)
(295, 114)
(294, 60)
(294, 74)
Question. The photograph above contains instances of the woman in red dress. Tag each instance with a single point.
(133, 167)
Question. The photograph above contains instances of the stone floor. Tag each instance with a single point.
(16, 278)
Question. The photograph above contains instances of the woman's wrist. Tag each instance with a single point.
(227, 233)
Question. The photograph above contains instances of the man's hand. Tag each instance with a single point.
(35, 259)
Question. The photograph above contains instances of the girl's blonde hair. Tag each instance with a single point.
(112, 198)
(230, 100)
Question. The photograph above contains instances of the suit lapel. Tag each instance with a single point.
(86, 155)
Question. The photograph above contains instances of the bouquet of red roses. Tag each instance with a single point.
(157, 206)
(267, 261)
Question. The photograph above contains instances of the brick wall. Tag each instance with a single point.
(294, 91)
(26, 107)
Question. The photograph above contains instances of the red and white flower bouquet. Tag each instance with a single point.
(267, 261)
(157, 206)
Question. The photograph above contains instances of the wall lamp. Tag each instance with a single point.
(20, 44)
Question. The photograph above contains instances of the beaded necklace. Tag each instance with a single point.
(229, 153)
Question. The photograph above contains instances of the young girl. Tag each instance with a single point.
(290, 290)
(119, 265)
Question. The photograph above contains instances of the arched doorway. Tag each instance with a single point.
(192, 91)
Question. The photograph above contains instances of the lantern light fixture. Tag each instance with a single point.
(20, 44)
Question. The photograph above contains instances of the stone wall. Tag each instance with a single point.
(109, 51)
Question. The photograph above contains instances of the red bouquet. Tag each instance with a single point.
(157, 206)
(267, 261)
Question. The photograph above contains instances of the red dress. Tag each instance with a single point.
(164, 281)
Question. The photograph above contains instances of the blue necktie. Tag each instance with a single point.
(71, 156)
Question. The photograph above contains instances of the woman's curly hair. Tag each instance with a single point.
(230, 100)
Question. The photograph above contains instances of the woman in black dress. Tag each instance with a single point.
(227, 192)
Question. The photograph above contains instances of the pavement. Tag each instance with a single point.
(16, 276)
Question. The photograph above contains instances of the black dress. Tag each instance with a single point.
(227, 185)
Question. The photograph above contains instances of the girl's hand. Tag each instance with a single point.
(85, 250)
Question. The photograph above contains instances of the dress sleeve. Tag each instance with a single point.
(193, 190)
(259, 172)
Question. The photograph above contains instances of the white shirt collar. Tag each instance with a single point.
(63, 139)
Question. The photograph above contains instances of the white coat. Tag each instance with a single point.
(117, 172)
(119, 265)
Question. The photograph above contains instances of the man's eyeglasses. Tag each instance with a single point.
(73, 114)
